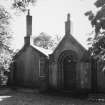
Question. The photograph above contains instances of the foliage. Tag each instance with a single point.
(97, 42)
(22, 5)
(56, 39)
(5, 38)
(97, 19)
(5, 34)
(43, 41)
(46, 41)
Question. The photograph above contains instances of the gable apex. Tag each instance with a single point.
(71, 39)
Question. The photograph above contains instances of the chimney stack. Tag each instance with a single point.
(28, 28)
(67, 25)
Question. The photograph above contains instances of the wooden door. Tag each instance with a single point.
(69, 73)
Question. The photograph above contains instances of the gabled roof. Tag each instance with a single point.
(72, 40)
(47, 52)
(42, 50)
(39, 49)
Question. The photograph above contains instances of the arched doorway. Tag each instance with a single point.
(67, 70)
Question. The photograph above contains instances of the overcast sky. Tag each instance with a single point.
(49, 17)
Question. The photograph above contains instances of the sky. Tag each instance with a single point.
(49, 16)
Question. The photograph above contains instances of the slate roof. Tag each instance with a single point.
(39, 49)
(47, 52)
(42, 50)
(73, 40)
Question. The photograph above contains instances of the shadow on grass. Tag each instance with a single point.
(69, 94)
(51, 97)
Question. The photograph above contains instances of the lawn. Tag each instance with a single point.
(10, 97)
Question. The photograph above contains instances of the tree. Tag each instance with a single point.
(5, 38)
(97, 42)
(97, 20)
(22, 5)
(46, 41)
(43, 40)
(5, 33)
(56, 39)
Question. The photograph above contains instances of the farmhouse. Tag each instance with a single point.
(68, 67)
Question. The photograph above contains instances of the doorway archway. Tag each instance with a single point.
(67, 70)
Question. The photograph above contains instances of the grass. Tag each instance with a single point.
(10, 97)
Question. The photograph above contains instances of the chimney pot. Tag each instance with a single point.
(28, 28)
(67, 25)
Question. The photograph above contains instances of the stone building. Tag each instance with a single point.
(68, 67)
(70, 64)
(29, 68)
